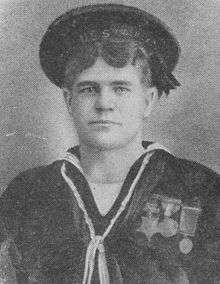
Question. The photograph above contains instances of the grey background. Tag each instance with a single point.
(34, 126)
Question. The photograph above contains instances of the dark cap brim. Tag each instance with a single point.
(58, 42)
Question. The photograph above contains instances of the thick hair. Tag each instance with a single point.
(118, 46)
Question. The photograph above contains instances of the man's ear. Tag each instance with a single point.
(68, 99)
(150, 99)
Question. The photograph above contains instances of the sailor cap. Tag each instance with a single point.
(62, 38)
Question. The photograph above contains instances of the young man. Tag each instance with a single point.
(116, 209)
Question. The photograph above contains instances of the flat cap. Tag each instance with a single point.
(62, 37)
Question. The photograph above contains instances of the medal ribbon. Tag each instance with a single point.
(97, 242)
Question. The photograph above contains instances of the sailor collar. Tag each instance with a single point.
(97, 241)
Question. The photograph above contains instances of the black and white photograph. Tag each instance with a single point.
(109, 142)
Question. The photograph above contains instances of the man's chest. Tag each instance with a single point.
(105, 195)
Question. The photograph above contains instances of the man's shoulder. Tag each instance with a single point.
(185, 168)
(44, 172)
(37, 177)
(188, 168)
(189, 176)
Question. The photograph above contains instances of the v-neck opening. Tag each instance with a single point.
(88, 198)
(84, 190)
(113, 191)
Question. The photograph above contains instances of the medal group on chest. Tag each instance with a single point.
(168, 217)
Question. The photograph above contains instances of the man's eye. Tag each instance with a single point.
(88, 90)
(121, 90)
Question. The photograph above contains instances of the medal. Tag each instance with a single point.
(149, 227)
(170, 206)
(189, 219)
(152, 208)
(168, 227)
(185, 245)
(188, 223)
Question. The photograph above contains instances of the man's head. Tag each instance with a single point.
(112, 61)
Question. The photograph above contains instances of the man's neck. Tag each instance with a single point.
(111, 165)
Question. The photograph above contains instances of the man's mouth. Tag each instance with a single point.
(103, 122)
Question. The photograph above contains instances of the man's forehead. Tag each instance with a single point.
(102, 72)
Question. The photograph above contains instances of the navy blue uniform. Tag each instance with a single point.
(168, 233)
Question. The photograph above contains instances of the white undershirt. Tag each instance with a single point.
(105, 195)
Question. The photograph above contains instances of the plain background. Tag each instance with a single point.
(34, 126)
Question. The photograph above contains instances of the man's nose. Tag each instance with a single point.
(105, 100)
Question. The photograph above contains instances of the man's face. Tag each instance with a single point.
(108, 105)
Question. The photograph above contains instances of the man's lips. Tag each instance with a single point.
(103, 122)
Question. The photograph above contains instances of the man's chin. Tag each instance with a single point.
(105, 143)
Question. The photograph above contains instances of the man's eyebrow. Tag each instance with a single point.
(95, 84)
(121, 82)
(87, 83)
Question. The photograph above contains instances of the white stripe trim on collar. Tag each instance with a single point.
(73, 159)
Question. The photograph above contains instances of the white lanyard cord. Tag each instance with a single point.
(97, 241)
